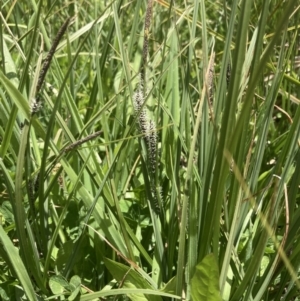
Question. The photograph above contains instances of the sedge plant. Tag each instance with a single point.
(149, 150)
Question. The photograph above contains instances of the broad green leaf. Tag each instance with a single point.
(130, 279)
(75, 283)
(205, 282)
(58, 284)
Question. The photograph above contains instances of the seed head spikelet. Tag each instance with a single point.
(146, 125)
(35, 104)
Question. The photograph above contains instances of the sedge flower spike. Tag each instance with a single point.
(148, 129)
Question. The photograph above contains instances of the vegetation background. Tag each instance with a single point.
(197, 200)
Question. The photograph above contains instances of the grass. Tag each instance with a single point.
(157, 157)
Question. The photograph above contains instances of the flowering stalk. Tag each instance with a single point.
(36, 103)
(148, 129)
(146, 125)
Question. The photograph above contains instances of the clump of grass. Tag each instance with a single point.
(140, 96)
(230, 215)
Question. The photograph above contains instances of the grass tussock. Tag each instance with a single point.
(149, 149)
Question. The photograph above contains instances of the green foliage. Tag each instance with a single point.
(215, 152)
(205, 282)
(130, 279)
(59, 286)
